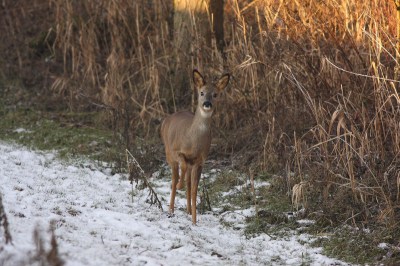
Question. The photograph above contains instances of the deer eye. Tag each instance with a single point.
(202, 93)
(215, 95)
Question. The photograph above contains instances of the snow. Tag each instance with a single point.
(305, 221)
(22, 130)
(383, 245)
(96, 222)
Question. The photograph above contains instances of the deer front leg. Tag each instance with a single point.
(175, 177)
(196, 174)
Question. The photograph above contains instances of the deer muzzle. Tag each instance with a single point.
(207, 105)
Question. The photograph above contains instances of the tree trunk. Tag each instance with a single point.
(188, 35)
(217, 14)
(184, 35)
(397, 67)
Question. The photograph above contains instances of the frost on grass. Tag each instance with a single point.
(93, 221)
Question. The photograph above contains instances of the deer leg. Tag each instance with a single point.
(196, 173)
(188, 189)
(175, 177)
(181, 184)
(183, 164)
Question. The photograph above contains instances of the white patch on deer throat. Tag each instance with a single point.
(205, 114)
(203, 127)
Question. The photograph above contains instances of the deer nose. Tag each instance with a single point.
(207, 104)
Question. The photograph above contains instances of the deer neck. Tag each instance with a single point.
(201, 122)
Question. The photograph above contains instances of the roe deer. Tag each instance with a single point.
(187, 140)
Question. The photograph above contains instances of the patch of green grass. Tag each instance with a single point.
(73, 212)
(229, 192)
(44, 125)
(68, 133)
(39, 123)
(354, 246)
(239, 196)
(272, 217)
(176, 244)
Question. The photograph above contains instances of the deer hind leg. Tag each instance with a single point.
(183, 171)
(196, 174)
(183, 164)
(181, 184)
(175, 177)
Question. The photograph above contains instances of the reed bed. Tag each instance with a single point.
(314, 95)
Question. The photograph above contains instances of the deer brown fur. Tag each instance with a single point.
(187, 140)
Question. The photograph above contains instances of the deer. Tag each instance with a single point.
(187, 140)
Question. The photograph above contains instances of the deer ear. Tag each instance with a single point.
(222, 82)
(198, 79)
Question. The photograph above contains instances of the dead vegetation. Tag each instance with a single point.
(5, 233)
(43, 257)
(313, 94)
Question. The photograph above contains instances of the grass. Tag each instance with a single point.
(345, 245)
(355, 246)
(69, 133)
(40, 123)
(278, 218)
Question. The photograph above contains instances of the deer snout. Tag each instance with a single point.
(207, 105)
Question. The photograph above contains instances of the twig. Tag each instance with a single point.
(357, 74)
(4, 222)
(153, 195)
(396, 248)
(143, 251)
(129, 169)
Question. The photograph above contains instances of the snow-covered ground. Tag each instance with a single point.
(97, 223)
